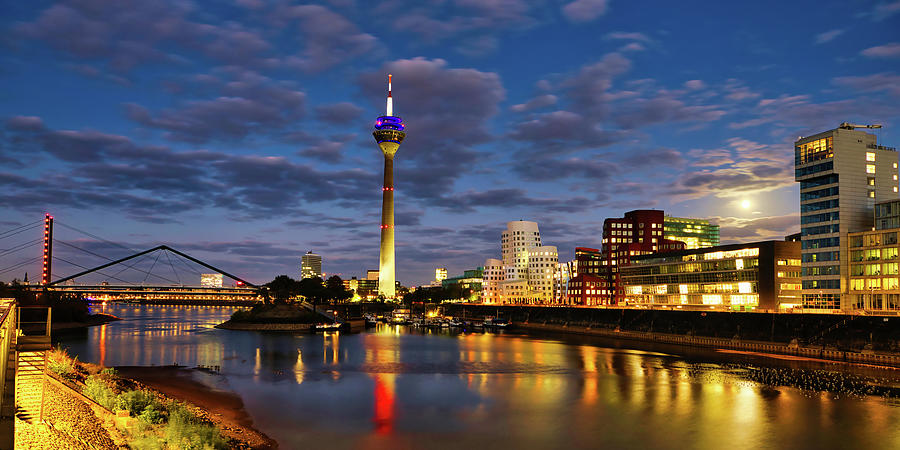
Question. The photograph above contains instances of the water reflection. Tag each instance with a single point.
(393, 387)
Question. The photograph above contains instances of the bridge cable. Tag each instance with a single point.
(101, 273)
(20, 247)
(151, 269)
(166, 252)
(20, 227)
(96, 237)
(101, 256)
(132, 266)
(188, 266)
(21, 264)
(20, 231)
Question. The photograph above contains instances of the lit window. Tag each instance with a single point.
(870, 156)
(871, 194)
(895, 165)
(895, 188)
(895, 177)
(870, 168)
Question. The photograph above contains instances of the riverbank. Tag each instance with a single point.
(281, 327)
(92, 320)
(223, 408)
(770, 349)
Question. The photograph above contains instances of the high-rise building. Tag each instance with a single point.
(519, 237)
(440, 274)
(542, 263)
(842, 172)
(695, 233)
(388, 134)
(310, 265)
(587, 284)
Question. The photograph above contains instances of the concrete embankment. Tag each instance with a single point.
(879, 359)
(839, 337)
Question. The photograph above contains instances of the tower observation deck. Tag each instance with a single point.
(389, 135)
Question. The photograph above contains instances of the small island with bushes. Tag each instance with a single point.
(282, 310)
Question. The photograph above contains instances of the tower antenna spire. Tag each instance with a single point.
(390, 101)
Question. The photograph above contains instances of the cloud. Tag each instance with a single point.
(25, 123)
(665, 108)
(828, 36)
(338, 113)
(121, 35)
(884, 10)
(880, 82)
(247, 104)
(633, 36)
(737, 229)
(891, 50)
(654, 157)
(694, 85)
(584, 10)
(549, 169)
(541, 101)
(328, 38)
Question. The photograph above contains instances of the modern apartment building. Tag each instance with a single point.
(874, 276)
(738, 277)
(639, 232)
(695, 233)
(528, 268)
(310, 265)
(542, 262)
(515, 242)
(842, 173)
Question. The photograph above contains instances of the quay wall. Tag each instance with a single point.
(843, 337)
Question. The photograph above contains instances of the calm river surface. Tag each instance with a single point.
(392, 387)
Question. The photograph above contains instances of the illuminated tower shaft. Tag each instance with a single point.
(388, 134)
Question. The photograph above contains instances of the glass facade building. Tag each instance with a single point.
(874, 275)
(695, 233)
(739, 277)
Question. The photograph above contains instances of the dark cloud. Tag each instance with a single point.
(541, 101)
(664, 108)
(735, 229)
(247, 104)
(328, 38)
(338, 113)
(548, 169)
(655, 157)
(128, 33)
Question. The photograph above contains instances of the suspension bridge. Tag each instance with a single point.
(158, 274)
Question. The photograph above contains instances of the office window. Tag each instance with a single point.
(870, 168)
(870, 156)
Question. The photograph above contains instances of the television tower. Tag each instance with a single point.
(388, 134)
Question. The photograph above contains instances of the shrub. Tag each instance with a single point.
(99, 390)
(60, 364)
(136, 401)
(110, 372)
(187, 431)
(152, 414)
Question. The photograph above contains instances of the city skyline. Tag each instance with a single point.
(240, 133)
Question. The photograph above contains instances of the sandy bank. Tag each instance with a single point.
(225, 409)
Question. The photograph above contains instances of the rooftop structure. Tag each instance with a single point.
(695, 233)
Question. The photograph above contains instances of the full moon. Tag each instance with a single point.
(745, 204)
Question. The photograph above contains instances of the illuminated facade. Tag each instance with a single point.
(310, 265)
(842, 172)
(389, 135)
(470, 282)
(874, 275)
(542, 263)
(639, 232)
(211, 280)
(739, 277)
(440, 274)
(695, 233)
(490, 281)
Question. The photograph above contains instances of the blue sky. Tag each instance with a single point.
(241, 131)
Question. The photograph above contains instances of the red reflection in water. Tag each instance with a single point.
(384, 406)
(102, 345)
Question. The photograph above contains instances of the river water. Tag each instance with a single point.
(396, 388)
